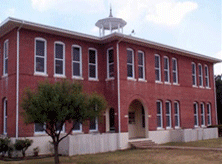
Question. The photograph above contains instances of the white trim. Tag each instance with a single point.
(108, 64)
(175, 71)
(5, 117)
(194, 74)
(80, 62)
(178, 114)
(160, 114)
(157, 68)
(196, 114)
(77, 131)
(206, 76)
(168, 115)
(166, 69)
(202, 114)
(209, 114)
(131, 64)
(63, 60)
(5, 46)
(200, 76)
(143, 66)
(96, 129)
(96, 65)
(45, 57)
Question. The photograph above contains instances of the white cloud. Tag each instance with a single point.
(218, 67)
(85, 6)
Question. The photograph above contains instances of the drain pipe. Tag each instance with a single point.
(17, 83)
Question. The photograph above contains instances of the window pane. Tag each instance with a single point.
(39, 127)
(140, 72)
(167, 108)
(207, 82)
(165, 63)
(140, 58)
(59, 67)
(92, 124)
(111, 56)
(165, 76)
(176, 120)
(157, 75)
(92, 71)
(174, 65)
(193, 79)
(92, 56)
(195, 107)
(159, 121)
(168, 121)
(157, 62)
(200, 70)
(76, 69)
(58, 126)
(193, 69)
(6, 49)
(76, 54)
(200, 80)
(158, 108)
(175, 108)
(129, 71)
(59, 51)
(39, 64)
(206, 71)
(6, 66)
(174, 77)
(111, 70)
(129, 56)
(40, 46)
(195, 120)
(77, 126)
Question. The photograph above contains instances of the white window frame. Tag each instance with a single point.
(200, 76)
(175, 71)
(209, 119)
(167, 70)
(6, 46)
(168, 115)
(196, 115)
(177, 114)
(77, 131)
(132, 64)
(80, 62)
(109, 64)
(96, 65)
(45, 57)
(5, 117)
(206, 76)
(63, 129)
(157, 68)
(40, 132)
(143, 65)
(202, 114)
(160, 114)
(194, 75)
(96, 129)
(63, 60)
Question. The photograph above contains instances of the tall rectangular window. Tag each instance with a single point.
(77, 127)
(59, 59)
(93, 64)
(141, 65)
(130, 64)
(40, 56)
(209, 121)
(200, 75)
(5, 58)
(93, 123)
(168, 114)
(195, 105)
(175, 71)
(207, 76)
(110, 63)
(176, 114)
(39, 128)
(202, 114)
(157, 68)
(76, 61)
(166, 70)
(194, 79)
(5, 117)
(159, 114)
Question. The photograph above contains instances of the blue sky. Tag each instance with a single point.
(193, 25)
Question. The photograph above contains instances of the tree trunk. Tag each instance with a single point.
(56, 156)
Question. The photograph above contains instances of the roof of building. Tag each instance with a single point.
(12, 23)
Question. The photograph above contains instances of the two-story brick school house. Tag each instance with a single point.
(154, 91)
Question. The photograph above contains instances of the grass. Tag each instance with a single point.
(151, 156)
(211, 143)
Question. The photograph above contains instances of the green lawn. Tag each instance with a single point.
(211, 143)
(151, 156)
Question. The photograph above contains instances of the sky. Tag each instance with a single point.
(193, 25)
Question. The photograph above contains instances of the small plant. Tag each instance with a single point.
(4, 145)
(23, 145)
(36, 151)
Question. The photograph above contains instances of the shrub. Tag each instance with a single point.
(4, 145)
(23, 145)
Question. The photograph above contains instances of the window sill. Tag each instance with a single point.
(207, 87)
(169, 128)
(109, 79)
(93, 131)
(131, 79)
(196, 127)
(40, 74)
(203, 126)
(59, 76)
(167, 83)
(176, 84)
(201, 87)
(194, 86)
(40, 134)
(142, 80)
(76, 132)
(4, 76)
(158, 82)
(92, 79)
(177, 128)
(77, 78)
(159, 129)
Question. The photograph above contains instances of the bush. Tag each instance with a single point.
(23, 145)
(4, 145)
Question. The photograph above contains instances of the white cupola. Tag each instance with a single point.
(111, 24)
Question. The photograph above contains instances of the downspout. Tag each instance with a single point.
(17, 83)
(215, 97)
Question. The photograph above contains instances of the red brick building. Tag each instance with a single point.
(154, 91)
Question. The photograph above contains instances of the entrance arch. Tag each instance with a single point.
(137, 120)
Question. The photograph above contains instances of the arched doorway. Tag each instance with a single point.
(137, 120)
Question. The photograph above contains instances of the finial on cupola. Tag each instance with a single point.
(110, 14)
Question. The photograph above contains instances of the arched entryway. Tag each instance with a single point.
(137, 120)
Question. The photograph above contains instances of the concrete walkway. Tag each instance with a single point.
(181, 148)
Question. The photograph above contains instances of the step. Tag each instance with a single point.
(143, 144)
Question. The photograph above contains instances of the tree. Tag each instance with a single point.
(219, 97)
(54, 104)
